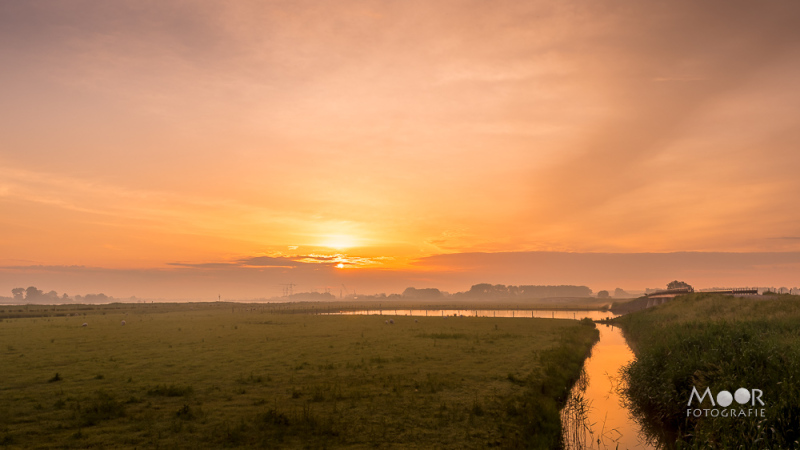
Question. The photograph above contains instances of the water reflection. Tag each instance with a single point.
(595, 416)
(544, 314)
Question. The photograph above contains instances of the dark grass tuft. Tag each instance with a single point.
(103, 406)
(443, 335)
(171, 391)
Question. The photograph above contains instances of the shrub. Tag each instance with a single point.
(103, 406)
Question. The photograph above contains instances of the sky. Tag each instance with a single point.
(190, 149)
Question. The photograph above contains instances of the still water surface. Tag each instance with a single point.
(595, 417)
(544, 314)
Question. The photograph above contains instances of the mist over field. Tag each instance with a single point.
(451, 273)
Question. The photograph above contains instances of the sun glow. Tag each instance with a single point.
(338, 241)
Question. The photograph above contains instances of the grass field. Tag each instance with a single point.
(226, 375)
(723, 343)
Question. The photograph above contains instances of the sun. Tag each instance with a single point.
(340, 266)
(338, 241)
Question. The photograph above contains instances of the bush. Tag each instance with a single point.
(102, 407)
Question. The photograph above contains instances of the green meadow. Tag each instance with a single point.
(233, 375)
(722, 343)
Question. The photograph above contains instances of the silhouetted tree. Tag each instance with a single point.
(32, 293)
(555, 291)
(422, 293)
(678, 285)
(602, 294)
(486, 290)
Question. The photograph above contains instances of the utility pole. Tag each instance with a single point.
(287, 289)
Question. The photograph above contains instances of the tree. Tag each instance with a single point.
(678, 285)
(602, 294)
(32, 293)
(422, 293)
(18, 293)
(488, 290)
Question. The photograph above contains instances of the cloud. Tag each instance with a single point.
(451, 272)
(268, 261)
(203, 265)
(320, 258)
(678, 79)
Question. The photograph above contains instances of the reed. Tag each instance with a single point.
(722, 343)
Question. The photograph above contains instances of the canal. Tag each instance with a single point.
(595, 416)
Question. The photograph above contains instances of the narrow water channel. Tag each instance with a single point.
(594, 417)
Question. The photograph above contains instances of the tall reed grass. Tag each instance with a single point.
(722, 343)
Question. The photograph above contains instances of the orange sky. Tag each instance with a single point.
(160, 139)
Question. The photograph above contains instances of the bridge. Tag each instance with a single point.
(669, 293)
(659, 297)
(732, 291)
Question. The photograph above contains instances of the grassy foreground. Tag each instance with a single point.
(222, 375)
(721, 342)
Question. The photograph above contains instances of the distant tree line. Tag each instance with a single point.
(497, 291)
(311, 297)
(422, 293)
(619, 292)
(34, 295)
(486, 290)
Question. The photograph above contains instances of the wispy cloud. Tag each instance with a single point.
(678, 79)
(203, 265)
(267, 261)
